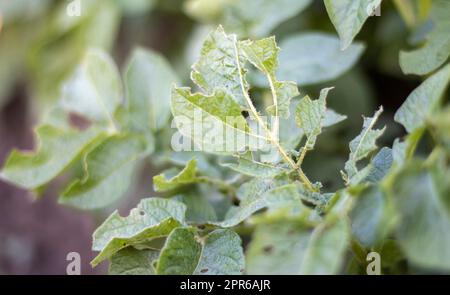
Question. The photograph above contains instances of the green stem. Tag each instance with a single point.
(275, 103)
(303, 154)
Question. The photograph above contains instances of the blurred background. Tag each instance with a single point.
(41, 42)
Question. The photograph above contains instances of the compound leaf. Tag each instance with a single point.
(263, 54)
(152, 218)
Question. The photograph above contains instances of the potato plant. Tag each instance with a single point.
(234, 196)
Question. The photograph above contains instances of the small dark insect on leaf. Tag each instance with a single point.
(79, 122)
(268, 249)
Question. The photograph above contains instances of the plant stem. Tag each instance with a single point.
(275, 103)
(302, 156)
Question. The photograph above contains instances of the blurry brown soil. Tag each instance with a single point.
(36, 236)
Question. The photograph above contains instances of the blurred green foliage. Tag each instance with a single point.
(394, 200)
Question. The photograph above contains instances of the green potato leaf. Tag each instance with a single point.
(152, 218)
(263, 54)
(311, 116)
(130, 261)
(251, 18)
(371, 217)
(199, 209)
(349, 16)
(421, 200)
(218, 253)
(217, 67)
(149, 79)
(56, 150)
(105, 181)
(436, 50)
(289, 248)
(259, 195)
(377, 168)
(220, 110)
(302, 61)
(362, 145)
(246, 165)
(95, 89)
(256, 18)
(423, 101)
(185, 176)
